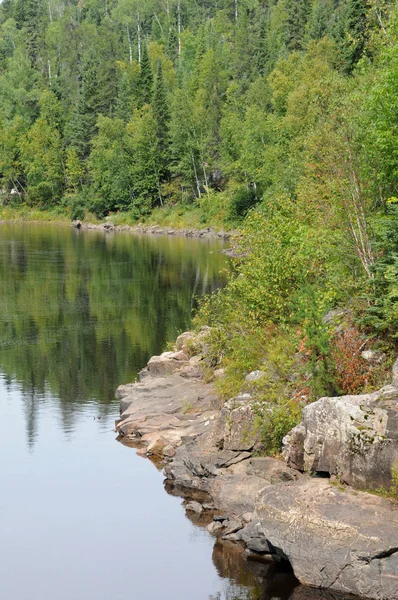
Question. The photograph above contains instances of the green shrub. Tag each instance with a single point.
(77, 208)
(243, 200)
(275, 421)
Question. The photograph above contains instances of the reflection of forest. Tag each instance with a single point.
(83, 311)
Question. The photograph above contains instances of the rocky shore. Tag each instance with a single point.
(206, 232)
(306, 509)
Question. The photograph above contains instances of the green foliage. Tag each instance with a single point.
(41, 159)
(275, 422)
(381, 293)
(161, 115)
(109, 168)
(145, 163)
(243, 200)
(145, 79)
(237, 96)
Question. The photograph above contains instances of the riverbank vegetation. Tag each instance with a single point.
(278, 116)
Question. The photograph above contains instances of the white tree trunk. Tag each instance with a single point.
(139, 37)
(179, 26)
(129, 43)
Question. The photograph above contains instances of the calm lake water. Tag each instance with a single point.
(81, 516)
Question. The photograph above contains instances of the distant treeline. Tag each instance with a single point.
(122, 105)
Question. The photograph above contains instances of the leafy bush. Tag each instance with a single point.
(275, 422)
(243, 200)
(77, 208)
(381, 292)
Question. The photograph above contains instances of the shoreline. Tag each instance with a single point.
(207, 232)
(334, 537)
(141, 229)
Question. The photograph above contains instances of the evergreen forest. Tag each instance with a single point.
(279, 117)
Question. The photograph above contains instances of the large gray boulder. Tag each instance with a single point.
(353, 437)
(345, 541)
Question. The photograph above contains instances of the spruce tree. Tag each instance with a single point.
(162, 118)
(75, 134)
(31, 12)
(350, 31)
(318, 22)
(145, 79)
(298, 12)
(123, 108)
(172, 44)
(260, 48)
(82, 124)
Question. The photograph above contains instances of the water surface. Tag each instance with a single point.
(81, 516)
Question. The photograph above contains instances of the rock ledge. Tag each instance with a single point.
(335, 538)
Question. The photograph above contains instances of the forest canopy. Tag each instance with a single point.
(124, 105)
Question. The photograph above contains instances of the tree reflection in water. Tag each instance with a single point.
(82, 311)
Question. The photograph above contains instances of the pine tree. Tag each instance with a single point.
(145, 79)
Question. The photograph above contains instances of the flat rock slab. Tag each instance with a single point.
(165, 396)
(236, 494)
(344, 541)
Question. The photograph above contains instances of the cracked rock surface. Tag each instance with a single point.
(353, 437)
(346, 541)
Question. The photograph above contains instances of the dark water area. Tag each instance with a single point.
(81, 516)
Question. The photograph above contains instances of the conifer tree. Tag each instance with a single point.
(260, 50)
(162, 118)
(31, 14)
(86, 112)
(145, 79)
(172, 43)
(298, 12)
(124, 98)
(351, 31)
(318, 22)
(6, 10)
